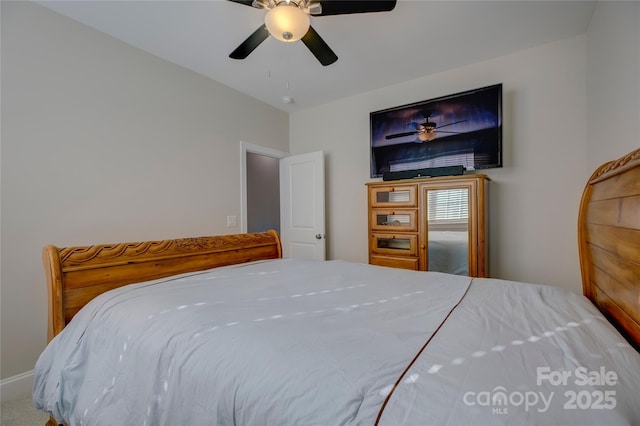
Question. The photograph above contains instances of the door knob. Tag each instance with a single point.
(319, 236)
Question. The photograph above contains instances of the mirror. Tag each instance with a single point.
(448, 230)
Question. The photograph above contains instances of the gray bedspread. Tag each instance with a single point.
(295, 342)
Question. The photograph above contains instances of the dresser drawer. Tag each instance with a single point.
(393, 196)
(394, 220)
(395, 262)
(394, 244)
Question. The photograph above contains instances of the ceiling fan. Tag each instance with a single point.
(426, 131)
(288, 20)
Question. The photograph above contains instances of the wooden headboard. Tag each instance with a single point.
(75, 275)
(609, 242)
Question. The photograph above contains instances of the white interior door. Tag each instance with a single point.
(302, 221)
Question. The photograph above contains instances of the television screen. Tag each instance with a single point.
(463, 129)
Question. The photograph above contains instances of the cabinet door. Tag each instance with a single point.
(447, 231)
(454, 225)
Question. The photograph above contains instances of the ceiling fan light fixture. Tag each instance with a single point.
(287, 22)
(429, 134)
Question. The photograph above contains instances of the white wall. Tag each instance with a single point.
(613, 81)
(534, 197)
(102, 142)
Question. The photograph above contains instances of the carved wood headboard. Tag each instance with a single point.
(609, 242)
(75, 275)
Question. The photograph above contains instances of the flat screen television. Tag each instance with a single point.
(463, 129)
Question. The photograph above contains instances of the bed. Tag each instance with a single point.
(223, 330)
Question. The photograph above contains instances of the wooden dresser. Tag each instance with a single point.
(438, 224)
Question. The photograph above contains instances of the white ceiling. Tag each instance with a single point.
(417, 38)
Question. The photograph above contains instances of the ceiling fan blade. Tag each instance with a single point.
(319, 48)
(450, 124)
(400, 135)
(250, 43)
(344, 7)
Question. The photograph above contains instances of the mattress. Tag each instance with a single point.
(299, 342)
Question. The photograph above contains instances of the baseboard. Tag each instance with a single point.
(17, 386)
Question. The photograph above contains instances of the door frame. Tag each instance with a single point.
(256, 149)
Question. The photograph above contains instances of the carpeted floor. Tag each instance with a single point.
(20, 412)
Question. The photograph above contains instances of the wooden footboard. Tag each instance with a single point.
(75, 275)
(609, 242)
